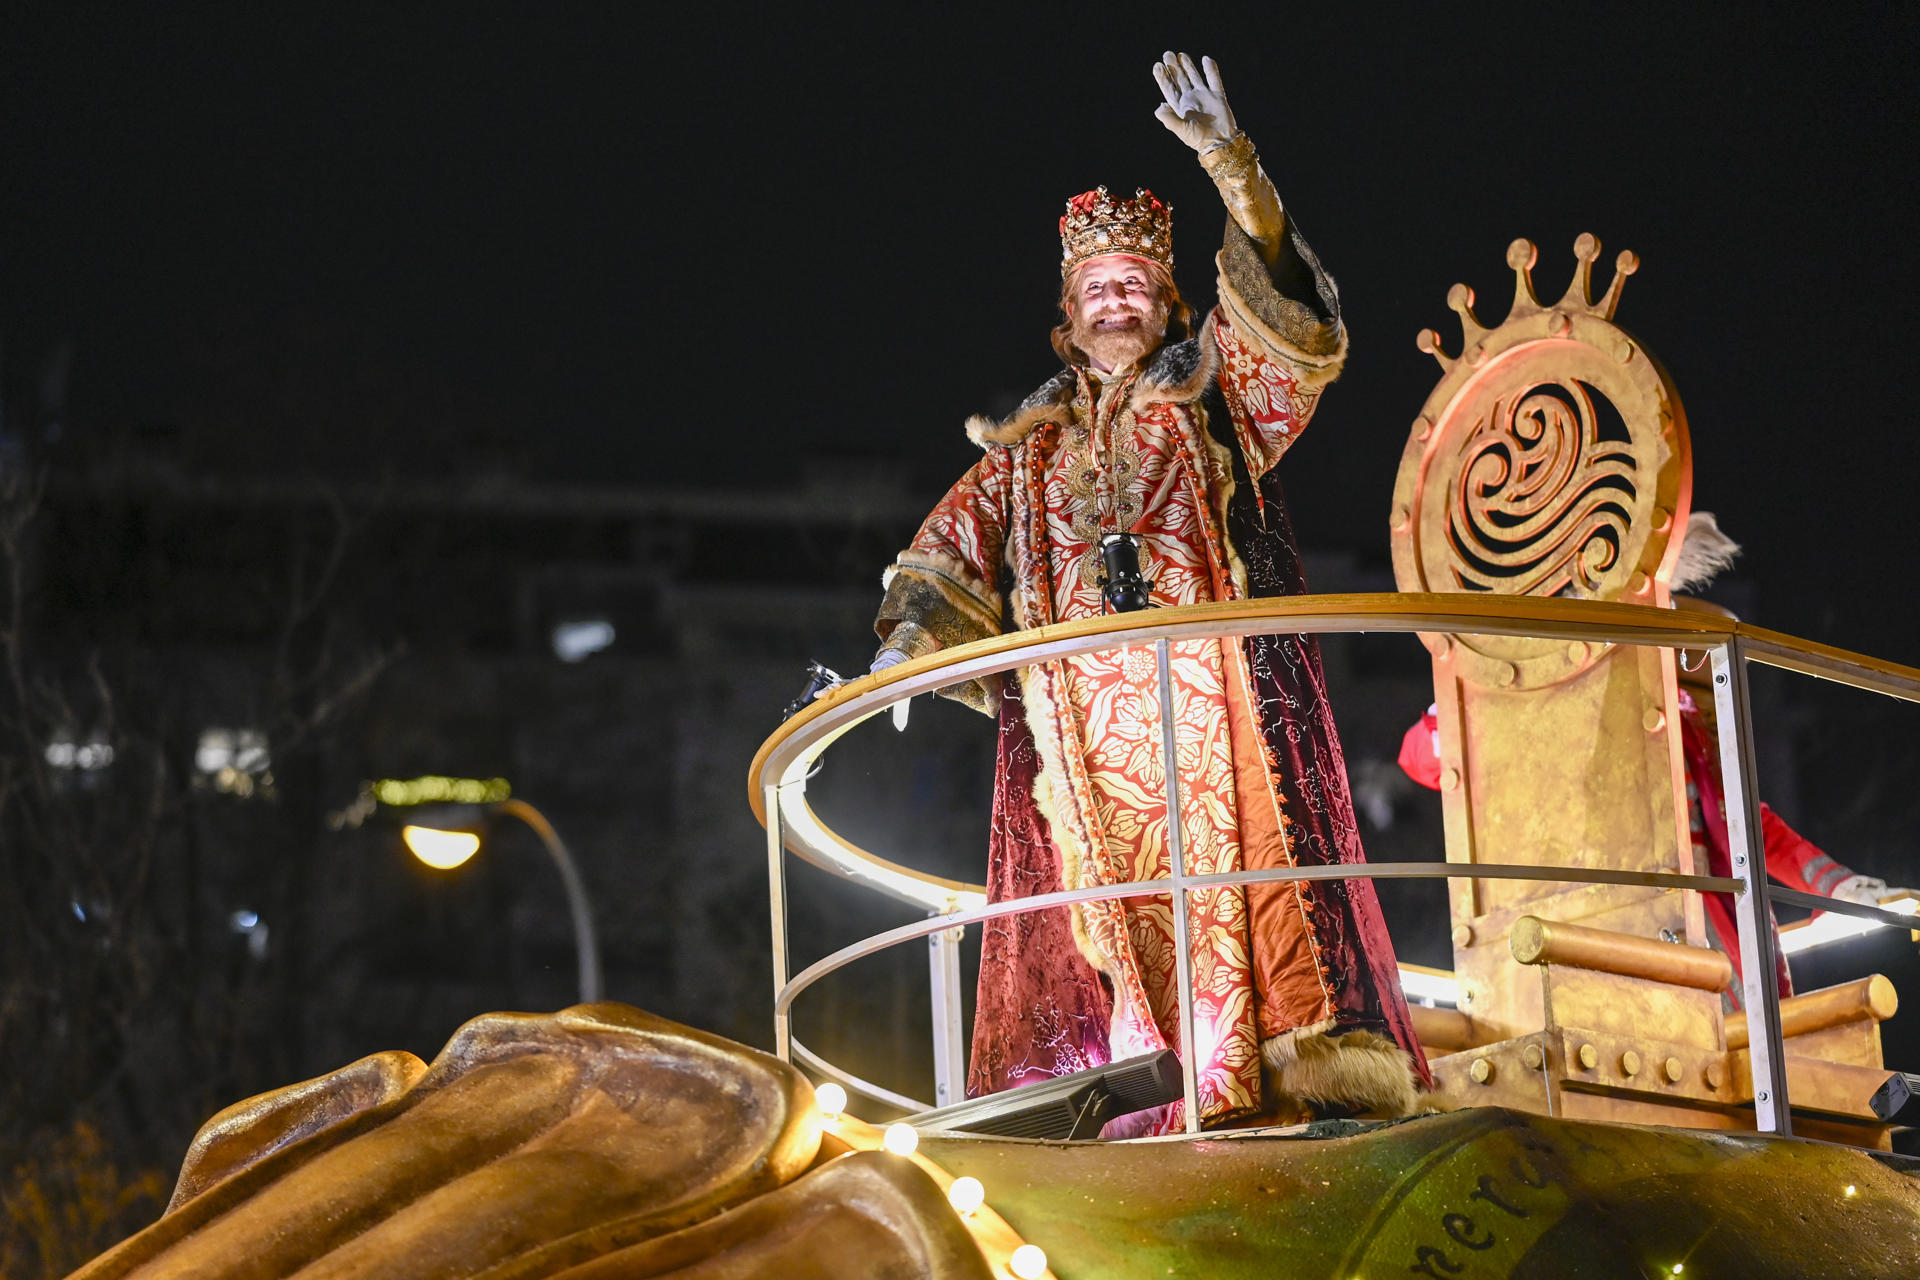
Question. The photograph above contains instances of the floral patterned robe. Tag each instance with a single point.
(1180, 454)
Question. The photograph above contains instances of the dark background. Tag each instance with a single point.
(343, 351)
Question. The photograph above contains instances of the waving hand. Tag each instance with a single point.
(1196, 108)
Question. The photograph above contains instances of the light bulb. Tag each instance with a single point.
(832, 1099)
(966, 1195)
(900, 1139)
(442, 850)
(1029, 1262)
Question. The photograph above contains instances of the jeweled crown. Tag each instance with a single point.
(1095, 224)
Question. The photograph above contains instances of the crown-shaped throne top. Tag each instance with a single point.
(1095, 224)
(1551, 459)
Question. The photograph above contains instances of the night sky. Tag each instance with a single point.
(625, 244)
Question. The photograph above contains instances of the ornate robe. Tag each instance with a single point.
(1295, 982)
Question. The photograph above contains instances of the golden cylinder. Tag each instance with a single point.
(1447, 1029)
(1537, 941)
(1869, 997)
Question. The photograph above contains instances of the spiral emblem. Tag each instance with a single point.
(1551, 459)
(1542, 505)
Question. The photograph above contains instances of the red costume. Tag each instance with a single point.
(1180, 453)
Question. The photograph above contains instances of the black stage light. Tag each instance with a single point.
(1898, 1100)
(1072, 1106)
(1123, 589)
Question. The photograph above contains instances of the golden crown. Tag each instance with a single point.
(1095, 224)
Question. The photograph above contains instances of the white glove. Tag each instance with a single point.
(1864, 890)
(1196, 108)
(881, 661)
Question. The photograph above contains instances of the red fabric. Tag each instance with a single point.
(1041, 1010)
(1037, 506)
(1420, 752)
(1792, 859)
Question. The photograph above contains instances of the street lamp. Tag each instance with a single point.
(445, 836)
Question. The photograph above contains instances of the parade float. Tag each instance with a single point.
(1596, 1111)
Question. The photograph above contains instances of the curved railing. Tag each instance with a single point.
(778, 776)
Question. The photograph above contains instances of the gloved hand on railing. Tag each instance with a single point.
(881, 661)
(1866, 890)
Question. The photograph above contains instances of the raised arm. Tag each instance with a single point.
(1196, 112)
(1278, 327)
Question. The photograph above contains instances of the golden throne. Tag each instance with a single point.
(1552, 459)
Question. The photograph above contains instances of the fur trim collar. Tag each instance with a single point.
(1178, 374)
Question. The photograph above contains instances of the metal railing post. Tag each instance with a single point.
(777, 905)
(1766, 1049)
(1176, 850)
(949, 1033)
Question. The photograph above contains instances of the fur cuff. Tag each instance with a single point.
(1293, 329)
(934, 602)
(1320, 1068)
(942, 594)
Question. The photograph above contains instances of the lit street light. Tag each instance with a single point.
(452, 836)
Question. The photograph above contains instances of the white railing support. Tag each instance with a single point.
(777, 902)
(1176, 850)
(1748, 851)
(949, 1029)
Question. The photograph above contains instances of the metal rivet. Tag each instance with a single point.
(1450, 780)
(1673, 1070)
(1533, 1056)
(1481, 1071)
(1589, 1056)
(1655, 720)
(1463, 935)
(1716, 1075)
(1629, 1063)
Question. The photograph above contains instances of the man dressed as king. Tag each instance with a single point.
(1172, 436)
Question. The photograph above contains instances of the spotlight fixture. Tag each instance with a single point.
(1898, 1100)
(819, 680)
(1122, 589)
(1073, 1106)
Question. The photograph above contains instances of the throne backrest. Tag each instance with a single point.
(1551, 459)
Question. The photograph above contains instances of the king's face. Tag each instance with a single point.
(1115, 293)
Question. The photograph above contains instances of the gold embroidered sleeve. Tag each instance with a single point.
(1247, 192)
(942, 590)
(1271, 284)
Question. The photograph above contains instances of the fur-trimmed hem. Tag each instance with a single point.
(1315, 1067)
